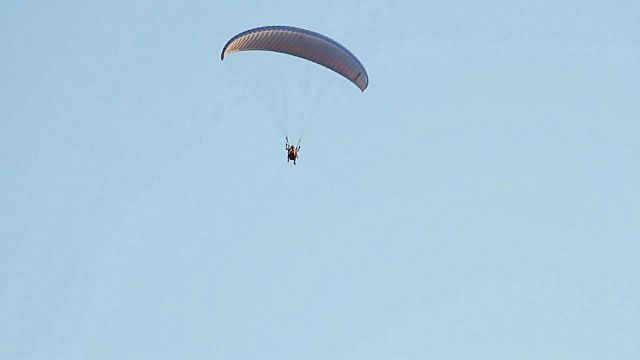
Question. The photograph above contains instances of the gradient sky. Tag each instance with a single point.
(481, 199)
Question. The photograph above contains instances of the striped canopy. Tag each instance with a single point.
(304, 44)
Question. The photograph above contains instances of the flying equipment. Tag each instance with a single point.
(304, 44)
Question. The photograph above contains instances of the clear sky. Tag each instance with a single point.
(481, 199)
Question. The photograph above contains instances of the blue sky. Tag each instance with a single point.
(479, 199)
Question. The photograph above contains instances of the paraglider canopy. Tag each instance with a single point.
(304, 44)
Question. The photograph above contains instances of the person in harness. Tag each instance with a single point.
(292, 151)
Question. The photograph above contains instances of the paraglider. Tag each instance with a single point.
(304, 44)
(292, 151)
